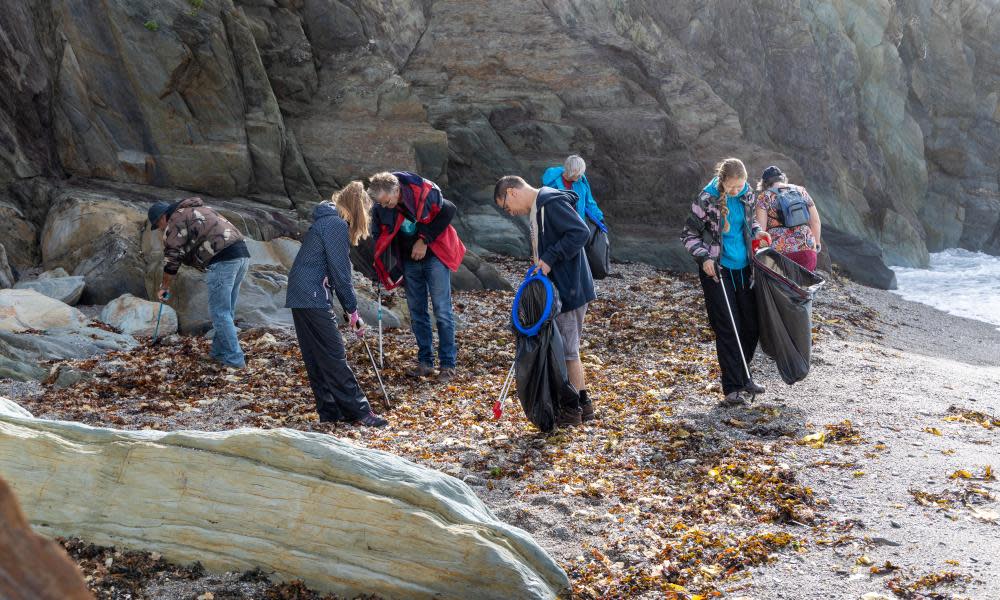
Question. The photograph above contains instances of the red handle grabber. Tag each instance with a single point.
(756, 245)
(498, 405)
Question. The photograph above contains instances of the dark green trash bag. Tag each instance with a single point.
(785, 291)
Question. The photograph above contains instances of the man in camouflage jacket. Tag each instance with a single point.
(198, 236)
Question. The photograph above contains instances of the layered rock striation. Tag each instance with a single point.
(299, 505)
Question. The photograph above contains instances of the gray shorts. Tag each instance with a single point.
(570, 324)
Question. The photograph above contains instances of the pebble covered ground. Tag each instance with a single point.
(873, 476)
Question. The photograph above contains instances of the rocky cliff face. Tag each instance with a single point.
(887, 111)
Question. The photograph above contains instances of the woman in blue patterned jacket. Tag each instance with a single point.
(324, 263)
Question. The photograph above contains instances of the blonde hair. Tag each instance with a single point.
(727, 169)
(353, 204)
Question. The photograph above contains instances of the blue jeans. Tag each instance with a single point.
(223, 280)
(431, 276)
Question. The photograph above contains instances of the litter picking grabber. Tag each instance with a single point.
(736, 332)
(378, 375)
(381, 357)
(507, 383)
(159, 314)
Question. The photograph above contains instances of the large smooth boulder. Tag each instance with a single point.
(35, 329)
(859, 259)
(261, 301)
(64, 289)
(139, 317)
(278, 253)
(97, 236)
(27, 309)
(32, 567)
(22, 353)
(339, 517)
(491, 230)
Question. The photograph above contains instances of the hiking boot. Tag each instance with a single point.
(330, 418)
(754, 389)
(447, 374)
(421, 370)
(569, 418)
(733, 399)
(372, 420)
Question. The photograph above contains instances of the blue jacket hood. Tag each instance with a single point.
(713, 188)
(551, 176)
(325, 209)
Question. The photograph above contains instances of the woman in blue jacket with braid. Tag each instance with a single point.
(324, 263)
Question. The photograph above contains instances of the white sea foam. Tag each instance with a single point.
(959, 282)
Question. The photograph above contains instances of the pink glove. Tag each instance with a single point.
(357, 325)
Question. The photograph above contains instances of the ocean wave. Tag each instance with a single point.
(959, 282)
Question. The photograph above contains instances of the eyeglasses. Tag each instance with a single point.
(505, 195)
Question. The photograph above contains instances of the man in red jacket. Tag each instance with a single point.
(414, 220)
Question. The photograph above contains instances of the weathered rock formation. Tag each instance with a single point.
(139, 317)
(67, 289)
(7, 278)
(96, 237)
(35, 328)
(32, 567)
(22, 310)
(887, 111)
(301, 505)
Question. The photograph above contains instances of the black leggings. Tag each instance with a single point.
(744, 305)
(338, 396)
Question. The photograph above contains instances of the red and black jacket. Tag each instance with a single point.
(420, 200)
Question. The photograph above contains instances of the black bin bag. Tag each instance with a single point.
(598, 248)
(785, 292)
(542, 382)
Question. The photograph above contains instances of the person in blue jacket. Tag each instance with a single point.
(572, 176)
(324, 262)
(558, 237)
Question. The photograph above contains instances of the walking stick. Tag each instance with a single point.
(385, 394)
(498, 405)
(736, 332)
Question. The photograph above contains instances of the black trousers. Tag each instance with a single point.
(338, 396)
(744, 305)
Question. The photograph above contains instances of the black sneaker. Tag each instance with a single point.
(372, 420)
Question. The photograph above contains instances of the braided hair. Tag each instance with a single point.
(727, 169)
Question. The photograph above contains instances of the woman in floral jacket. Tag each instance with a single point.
(799, 243)
(717, 234)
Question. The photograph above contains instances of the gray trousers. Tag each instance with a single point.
(338, 396)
